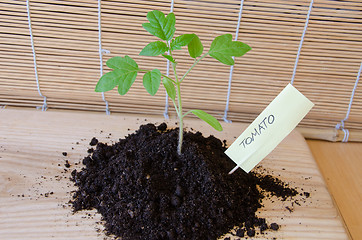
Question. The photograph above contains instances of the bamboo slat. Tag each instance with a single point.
(66, 44)
(332, 135)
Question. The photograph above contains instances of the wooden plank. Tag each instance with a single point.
(341, 165)
(31, 146)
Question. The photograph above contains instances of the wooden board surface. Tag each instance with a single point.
(341, 167)
(31, 146)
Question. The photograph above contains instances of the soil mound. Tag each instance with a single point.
(145, 190)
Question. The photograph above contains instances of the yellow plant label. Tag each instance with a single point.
(277, 120)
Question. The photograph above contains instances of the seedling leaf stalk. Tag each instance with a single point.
(125, 69)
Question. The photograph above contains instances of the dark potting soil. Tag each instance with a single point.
(145, 190)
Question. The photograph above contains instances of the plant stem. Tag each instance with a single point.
(193, 65)
(179, 101)
(175, 106)
(186, 113)
(180, 116)
(177, 82)
(179, 113)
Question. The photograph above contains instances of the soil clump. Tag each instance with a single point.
(145, 190)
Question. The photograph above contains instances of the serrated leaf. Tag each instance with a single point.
(170, 88)
(169, 58)
(108, 81)
(223, 49)
(195, 47)
(152, 81)
(181, 41)
(159, 25)
(213, 122)
(154, 49)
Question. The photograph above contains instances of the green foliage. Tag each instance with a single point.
(181, 41)
(125, 69)
(115, 62)
(151, 81)
(160, 26)
(170, 88)
(108, 81)
(223, 49)
(154, 49)
(213, 122)
(169, 57)
(126, 63)
(195, 47)
(128, 70)
(124, 74)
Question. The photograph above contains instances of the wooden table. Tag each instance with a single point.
(35, 189)
(341, 166)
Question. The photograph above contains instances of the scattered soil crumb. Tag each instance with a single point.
(289, 209)
(274, 226)
(67, 164)
(93, 142)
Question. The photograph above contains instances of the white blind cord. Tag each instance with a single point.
(101, 52)
(341, 125)
(232, 66)
(45, 106)
(165, 113)
(301, 41)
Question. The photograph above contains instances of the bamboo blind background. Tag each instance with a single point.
(66, 44)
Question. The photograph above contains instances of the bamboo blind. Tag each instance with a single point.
(66, 44)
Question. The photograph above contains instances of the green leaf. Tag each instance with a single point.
(151, 81)
(213, 122)
(108, 81)
(170, 88)
(181, 41)
(223, 49)
(127, 78)
(124, 74)
(114, 62)
(195, 47)
(122, 63)
(170, 26)
(169, 58)
(154, 49)
(159, 25)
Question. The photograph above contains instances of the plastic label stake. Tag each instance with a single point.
(277, 120)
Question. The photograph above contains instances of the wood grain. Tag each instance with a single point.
(31, 146)
(341, 166)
